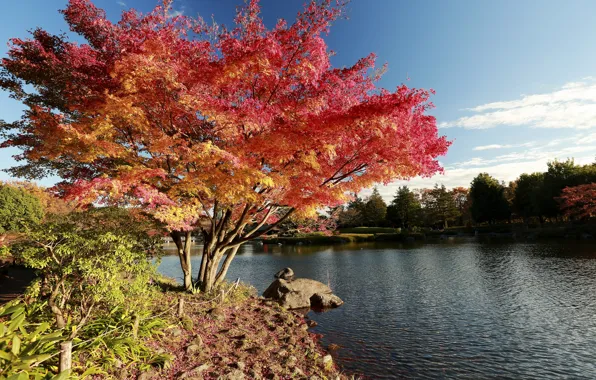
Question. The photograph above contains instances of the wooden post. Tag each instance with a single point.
(223, 296)
(135, 326)
(180, 307)
(65, 356)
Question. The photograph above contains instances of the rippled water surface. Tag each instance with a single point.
(471, 310)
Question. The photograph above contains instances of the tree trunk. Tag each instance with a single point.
(223, 237)
(204, 259)
(60, 322)
(226, 265)
(212, 255)
(184, 250)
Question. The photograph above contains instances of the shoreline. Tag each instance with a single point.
(243, 337)
(234, 335)
(559, 234)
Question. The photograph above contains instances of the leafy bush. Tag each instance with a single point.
(88, 261)
(18, 209)
(26, 348)
(108, 342)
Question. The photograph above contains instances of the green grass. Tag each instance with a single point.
(318, 239)
(369, 230)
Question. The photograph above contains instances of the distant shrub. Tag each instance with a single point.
(18, 209)
(369, 230)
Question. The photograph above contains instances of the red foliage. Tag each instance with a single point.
(224, 129)
(579, 201)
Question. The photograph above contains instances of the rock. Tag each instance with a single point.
(187, 323)
(192, 349)
(285, 274)
(217, 314)
(311, 323)
(240, 365)
(328, 362)
(325, 301)
(290, 339)
(298, 372)
(291, 361)
(194, 373)
(234, 375)
(275, 369)
(255, 374)
(176, 332)
(147, 375)
(197, 341)
(296, 294)
(333, 347)
(201, 368)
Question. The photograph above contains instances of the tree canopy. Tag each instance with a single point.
(18, 208)
(224, 130)
(405, 209)
(488, 199)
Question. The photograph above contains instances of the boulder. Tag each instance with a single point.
(285, 274)
(298, 293)
(325, 301)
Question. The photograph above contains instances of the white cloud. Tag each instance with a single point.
(505, 167)
(499, 146)
(121, 3)
(571, 106)
(175, 13)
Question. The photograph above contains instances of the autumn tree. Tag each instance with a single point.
(223, 131)
(559, 175)
(461, 197)
(579, 201)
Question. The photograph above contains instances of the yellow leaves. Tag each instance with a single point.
(267, 181)
(310, 159)
(330, 150)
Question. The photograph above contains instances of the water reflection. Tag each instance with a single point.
(455, 309)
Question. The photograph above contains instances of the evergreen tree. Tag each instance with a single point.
(441, 206)
(405, 208)
(488, 199)
(375, 209)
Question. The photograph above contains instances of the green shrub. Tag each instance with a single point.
(369, 230)
(26, 348)
(89, 261)
(18, 209)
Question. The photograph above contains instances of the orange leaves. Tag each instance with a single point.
(579, 201)
(250, 116)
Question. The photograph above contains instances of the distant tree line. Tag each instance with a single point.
(565, 191)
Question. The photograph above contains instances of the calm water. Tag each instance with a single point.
(454, 310)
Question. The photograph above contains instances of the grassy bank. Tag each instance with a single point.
(508, 231)
(237, 336)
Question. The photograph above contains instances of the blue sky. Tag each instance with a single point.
(515, 80)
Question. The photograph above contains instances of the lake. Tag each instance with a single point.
(465, 310)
